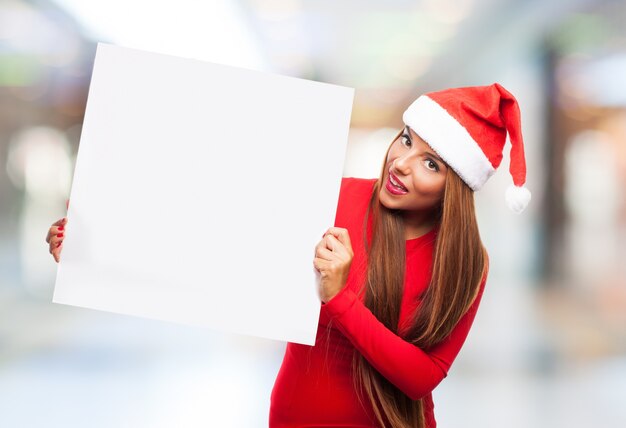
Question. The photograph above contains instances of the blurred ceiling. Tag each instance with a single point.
(393, 51)
(389, 51)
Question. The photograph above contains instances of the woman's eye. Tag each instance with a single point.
(432, 165)
(405, 140)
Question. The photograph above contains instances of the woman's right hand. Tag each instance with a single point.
(55, 238)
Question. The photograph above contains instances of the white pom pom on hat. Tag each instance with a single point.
(467, 127)
(517, 198)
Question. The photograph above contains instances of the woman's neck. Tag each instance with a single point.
(417, 224)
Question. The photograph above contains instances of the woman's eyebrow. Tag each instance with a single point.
(408, 135)
(435, 156)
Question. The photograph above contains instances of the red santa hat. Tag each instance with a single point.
(467, 127)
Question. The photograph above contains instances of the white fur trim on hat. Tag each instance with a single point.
(450, 140)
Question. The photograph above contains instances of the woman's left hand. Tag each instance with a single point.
(333, 257)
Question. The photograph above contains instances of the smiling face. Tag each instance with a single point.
(421, 174)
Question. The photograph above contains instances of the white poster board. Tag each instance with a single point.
(199, 193)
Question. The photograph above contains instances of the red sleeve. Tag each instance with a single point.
(412, 370)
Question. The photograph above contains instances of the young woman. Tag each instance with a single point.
(403, 270)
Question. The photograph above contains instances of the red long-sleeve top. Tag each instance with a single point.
(314, 386)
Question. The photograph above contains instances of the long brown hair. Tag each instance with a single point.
(459, 263)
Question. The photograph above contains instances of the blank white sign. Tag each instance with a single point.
(199, 193)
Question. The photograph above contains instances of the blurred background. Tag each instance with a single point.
(548, 346)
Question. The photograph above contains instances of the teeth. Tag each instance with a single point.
(395, 183)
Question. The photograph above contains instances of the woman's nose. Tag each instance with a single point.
(402, 164)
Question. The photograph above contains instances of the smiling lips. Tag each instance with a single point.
(395, 186)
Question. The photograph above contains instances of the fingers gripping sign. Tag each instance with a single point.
(55, 236)
(333, 257)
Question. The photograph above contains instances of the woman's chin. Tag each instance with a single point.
(385, 200)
